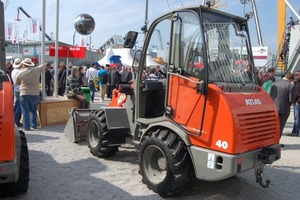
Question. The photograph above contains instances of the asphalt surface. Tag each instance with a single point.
(63, 170)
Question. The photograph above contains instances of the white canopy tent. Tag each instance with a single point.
(126, 57)
(105, 59)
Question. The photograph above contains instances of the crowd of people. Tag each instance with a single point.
(25, 77)
(285, 93)
(286, 39)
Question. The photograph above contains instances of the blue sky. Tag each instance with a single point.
(117, 17)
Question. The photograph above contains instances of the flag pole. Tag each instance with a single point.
(43, 48)
(56, 51)
(17, 38)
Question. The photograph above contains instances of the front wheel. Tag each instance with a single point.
(97, 135)
(165, 164)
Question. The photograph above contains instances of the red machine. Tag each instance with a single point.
(210, 121)
(14, 159)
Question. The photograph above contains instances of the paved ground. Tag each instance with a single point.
(63, 170)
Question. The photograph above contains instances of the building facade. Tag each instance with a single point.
(33, 50)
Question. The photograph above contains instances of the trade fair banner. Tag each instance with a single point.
(62, 51)
(77, 52)
(68, 51)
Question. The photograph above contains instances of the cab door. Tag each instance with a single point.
(187, 72)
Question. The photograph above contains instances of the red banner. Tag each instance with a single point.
(74, 51)
(62, 51)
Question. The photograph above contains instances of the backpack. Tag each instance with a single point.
(103, 78)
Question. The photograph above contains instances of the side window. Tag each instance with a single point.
(158, 47)
(188, 40)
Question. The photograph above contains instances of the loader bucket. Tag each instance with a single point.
(76, 126)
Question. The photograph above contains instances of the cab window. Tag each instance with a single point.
(188, 46)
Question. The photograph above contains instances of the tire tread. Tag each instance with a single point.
(181, 169)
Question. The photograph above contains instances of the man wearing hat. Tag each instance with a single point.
(28, 79)
(17, 105)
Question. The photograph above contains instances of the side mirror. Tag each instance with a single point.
(130, 39)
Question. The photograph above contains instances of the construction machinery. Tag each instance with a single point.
(27, 15)
(288, 39)
(14, 160)
(210, 122)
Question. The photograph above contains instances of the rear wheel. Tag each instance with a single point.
(97, 135)
(165, 164)
(21, 186)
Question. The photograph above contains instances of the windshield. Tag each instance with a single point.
(227, 52)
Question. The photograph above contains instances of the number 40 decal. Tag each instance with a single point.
(222, 144)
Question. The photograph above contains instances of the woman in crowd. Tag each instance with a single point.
(73, 88)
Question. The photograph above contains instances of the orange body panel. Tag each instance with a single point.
(7, 136)
(233, 122)
(186, 104)
(117, 99)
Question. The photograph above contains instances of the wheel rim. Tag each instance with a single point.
(94, 134)
(155, 164)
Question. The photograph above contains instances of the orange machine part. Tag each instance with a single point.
(238, 122)
(7, 137)
(233, 122)
(186, 104)
(117, 99)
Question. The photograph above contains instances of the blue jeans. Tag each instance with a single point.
(296, 119)
(29, 105)
(92, 91)
(17, 108)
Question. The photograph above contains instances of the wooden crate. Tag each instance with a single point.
(55, 111)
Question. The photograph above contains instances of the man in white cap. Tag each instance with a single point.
(28, 79)
(17, 105)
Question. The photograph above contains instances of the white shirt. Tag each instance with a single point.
(14, 74)
(91, 73)
(152, 77)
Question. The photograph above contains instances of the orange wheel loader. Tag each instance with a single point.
(205, 117)
(14, 160)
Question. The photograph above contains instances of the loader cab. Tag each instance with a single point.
(229, 55)
(198, 46)
(177, 40)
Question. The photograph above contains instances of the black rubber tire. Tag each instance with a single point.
(97, 136)
(21, 186)
(165, 164)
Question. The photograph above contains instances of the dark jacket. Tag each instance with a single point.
(73, 85)
(48, 79)
(61, 82)
(281, 93)
(115, 78)
(80, 79)
(296, 92)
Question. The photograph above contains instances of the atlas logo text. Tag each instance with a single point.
(252, 102)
